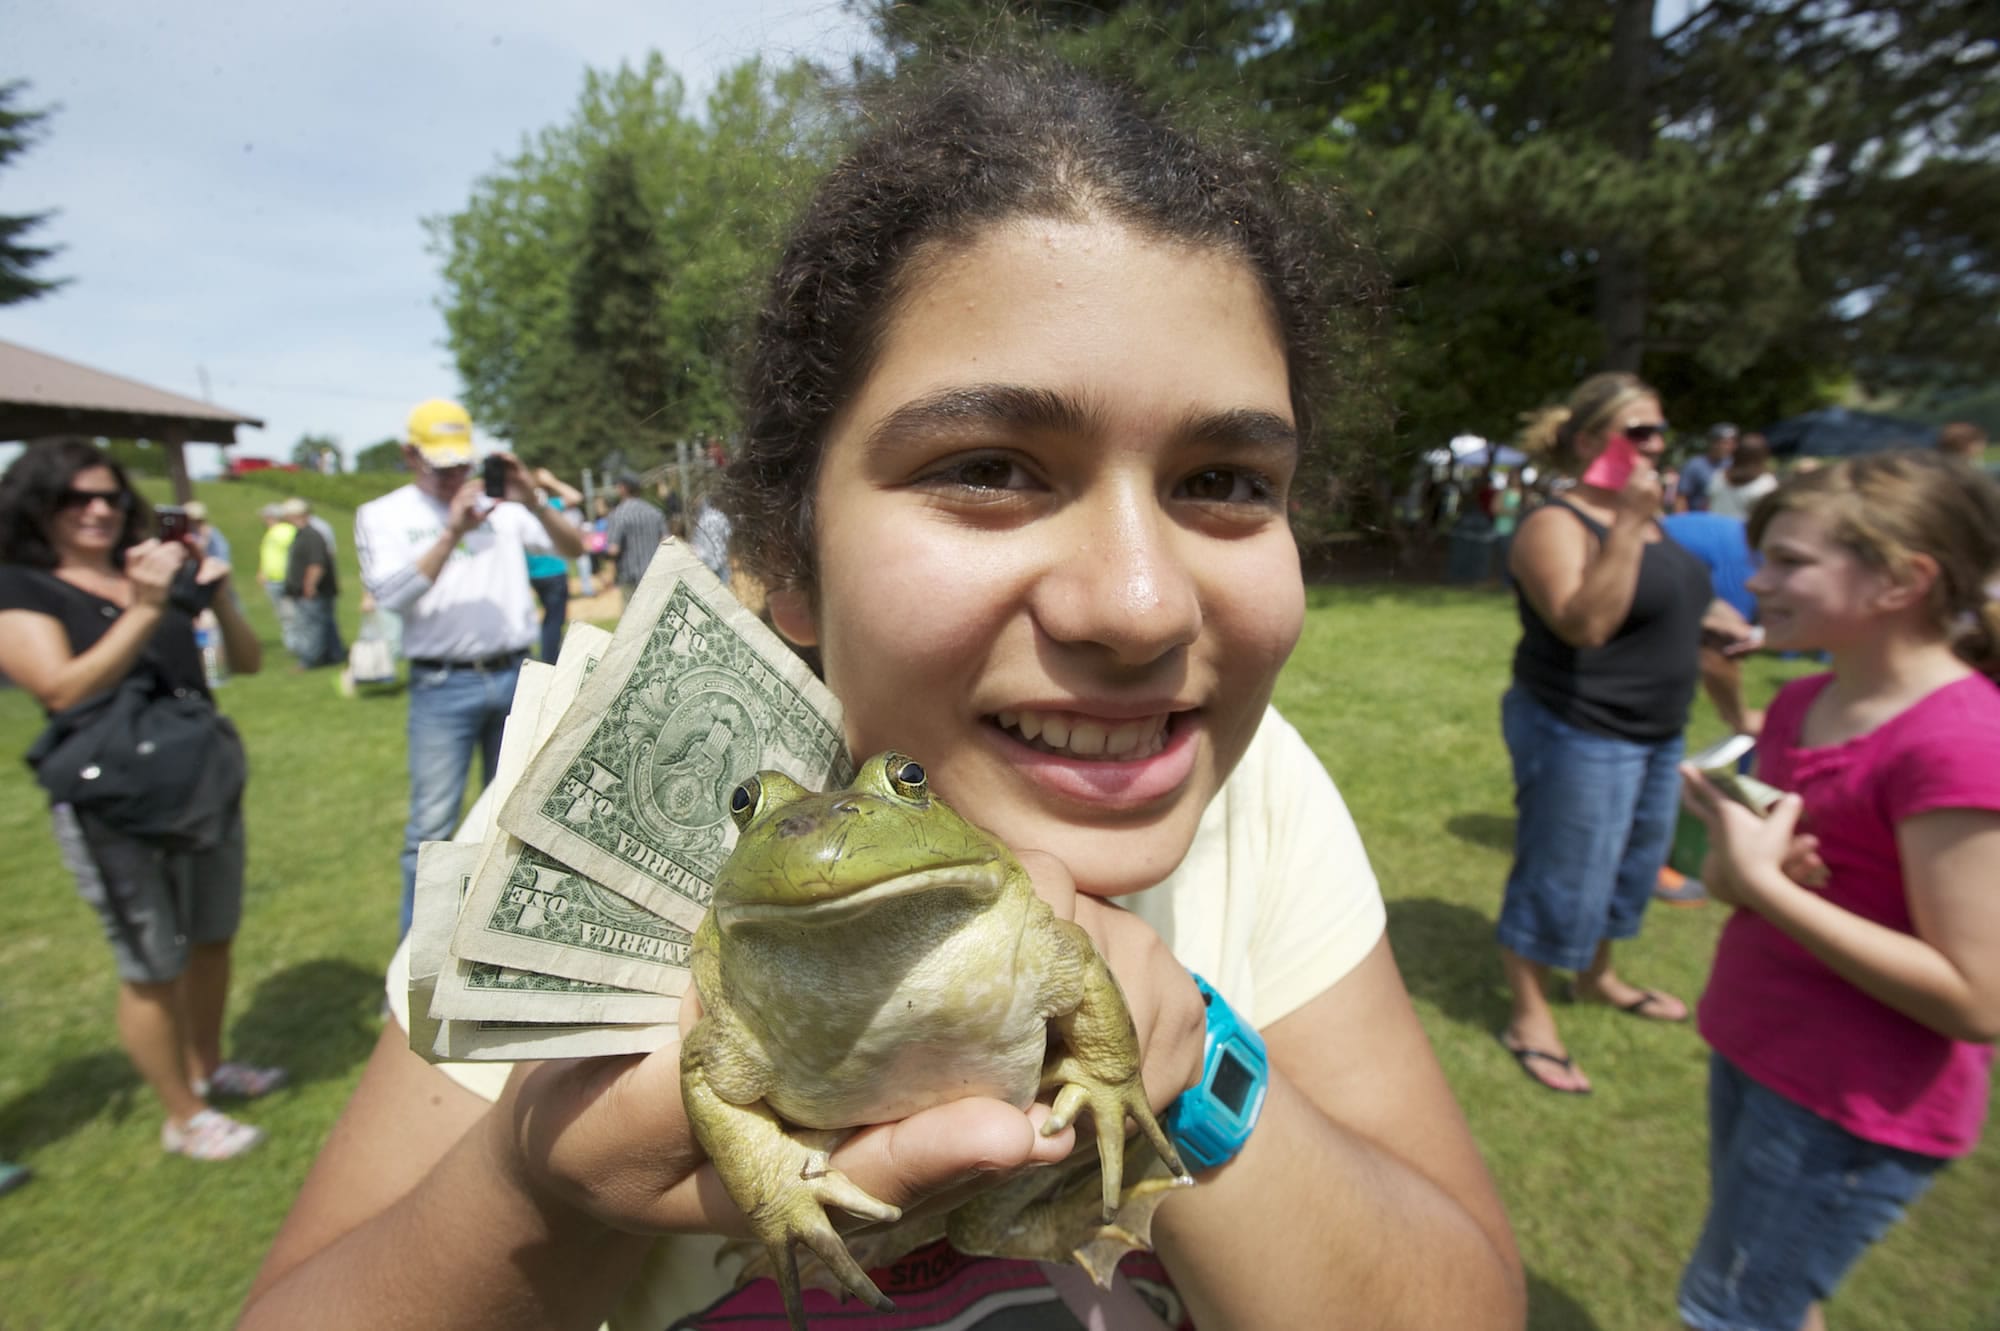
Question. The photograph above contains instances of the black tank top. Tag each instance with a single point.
(1638, 685)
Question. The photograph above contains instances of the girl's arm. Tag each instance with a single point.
(1582, 591)
(1947, 974)
(1361, 1183)
(429, 1207)
(35, 651)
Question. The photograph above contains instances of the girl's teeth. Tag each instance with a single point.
(1085, 737)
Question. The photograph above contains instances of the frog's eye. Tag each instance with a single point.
(743, 802)
(906, 776)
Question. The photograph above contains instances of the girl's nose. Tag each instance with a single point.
(1117, 577)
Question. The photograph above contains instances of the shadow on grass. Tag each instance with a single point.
(1449, 959)
(1550, 1308)
(316, 1019)
(1492, 830)
(76, 1091)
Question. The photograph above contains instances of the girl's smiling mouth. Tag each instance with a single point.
(1076, 735)
(1072, 756)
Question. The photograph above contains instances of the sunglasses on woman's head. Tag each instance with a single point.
(73, 498)
(1642, 434)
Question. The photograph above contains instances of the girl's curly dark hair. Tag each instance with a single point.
(967, 146)
(32, 491)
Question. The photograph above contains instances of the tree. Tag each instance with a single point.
(1770, 199)
(312, 450)
(19, 258)
(598, 284)
(385, 455)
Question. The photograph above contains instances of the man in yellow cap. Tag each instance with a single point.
(453, 563)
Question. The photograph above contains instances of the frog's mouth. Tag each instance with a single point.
(979, 880)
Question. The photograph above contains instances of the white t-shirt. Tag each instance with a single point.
(480, 605)
(1274, 903)
(1736, 501)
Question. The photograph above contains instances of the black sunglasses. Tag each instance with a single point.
(1642, 434)
(73, 498)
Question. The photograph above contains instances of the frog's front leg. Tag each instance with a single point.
(782, 1184)
(1099, 1065)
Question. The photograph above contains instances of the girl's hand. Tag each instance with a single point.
(151, 565)
(1748, 853)
(1166, 1007)
(211, 570)
(609, 1139)
(1802, 863)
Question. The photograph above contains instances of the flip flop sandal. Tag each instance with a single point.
(1637, 1007)
(1522, 1056)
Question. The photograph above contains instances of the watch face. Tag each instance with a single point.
(1231, 1086)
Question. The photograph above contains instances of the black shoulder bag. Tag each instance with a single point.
(151, 762)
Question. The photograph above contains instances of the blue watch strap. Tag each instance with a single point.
(1211, 1120)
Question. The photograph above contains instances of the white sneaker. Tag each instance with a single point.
(209, 1135)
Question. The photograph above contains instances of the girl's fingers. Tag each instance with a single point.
(1698, 797)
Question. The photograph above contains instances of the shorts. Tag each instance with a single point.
(1595, 819)
(1795, 1199)
(154, 903)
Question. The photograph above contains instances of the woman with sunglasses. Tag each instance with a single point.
(87, 598)
(1611, 622)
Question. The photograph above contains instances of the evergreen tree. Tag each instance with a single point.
(18, 257)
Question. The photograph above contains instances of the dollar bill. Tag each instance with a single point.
(445, 871)
(517, 742)
(502, 1041)
(480, 990)
(630, 792)
(529, 911)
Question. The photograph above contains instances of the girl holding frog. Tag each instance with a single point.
(1027, 398)
(1853, 1015)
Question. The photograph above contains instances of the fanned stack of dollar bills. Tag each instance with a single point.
(557, 923)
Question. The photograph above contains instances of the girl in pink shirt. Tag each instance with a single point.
(1856, 992)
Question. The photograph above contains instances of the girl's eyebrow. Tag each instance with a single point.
(979, 408)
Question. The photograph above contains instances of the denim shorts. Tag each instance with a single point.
(153, 903)
(1595, 819)
(1794, 1202)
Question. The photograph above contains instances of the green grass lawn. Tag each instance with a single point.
(1396, 687)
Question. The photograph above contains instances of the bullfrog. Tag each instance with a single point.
(869, 953)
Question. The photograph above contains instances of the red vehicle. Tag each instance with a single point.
(240, 466)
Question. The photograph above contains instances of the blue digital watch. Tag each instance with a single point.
(1212, 1118)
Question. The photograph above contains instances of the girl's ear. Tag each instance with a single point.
(791, 612)
(1911, 583)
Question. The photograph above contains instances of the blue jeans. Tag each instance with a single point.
(315, 637)
(553, 593)
(452, 712)
(1595, 822)
(1794, 1200)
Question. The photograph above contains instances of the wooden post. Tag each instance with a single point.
(173, 440)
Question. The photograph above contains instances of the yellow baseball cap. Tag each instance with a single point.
(442, 433)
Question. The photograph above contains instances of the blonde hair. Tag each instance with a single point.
(1550, 433)
(1885, 508)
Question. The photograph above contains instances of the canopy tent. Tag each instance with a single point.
(43, 396)
(1833, 432)
(1469, 450)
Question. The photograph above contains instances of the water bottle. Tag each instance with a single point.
(208, 638)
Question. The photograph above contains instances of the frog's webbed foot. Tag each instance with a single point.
(1108, 1102)
(1025, 1218)
(783, 1184)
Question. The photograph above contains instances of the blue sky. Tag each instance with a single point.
(240, 186)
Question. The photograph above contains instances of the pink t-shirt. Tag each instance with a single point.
(1784, 1017)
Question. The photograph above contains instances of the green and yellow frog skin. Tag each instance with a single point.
(869, 953)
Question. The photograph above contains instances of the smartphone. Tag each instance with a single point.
(173, 521)
(496, 477)
(1610, 469)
